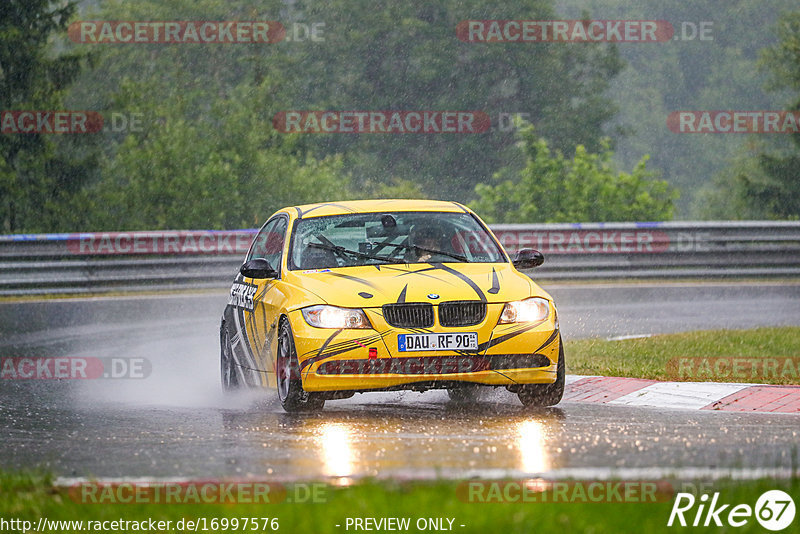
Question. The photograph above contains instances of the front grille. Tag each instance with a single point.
(461, 312)
(411, 315)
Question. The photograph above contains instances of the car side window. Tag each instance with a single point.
(268, 244)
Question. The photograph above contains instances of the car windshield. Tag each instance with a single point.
(399, 237)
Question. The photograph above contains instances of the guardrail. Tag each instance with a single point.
(129, 261)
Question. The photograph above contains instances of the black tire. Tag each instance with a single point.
(546, 394)
(290, 387)
(466, 394)
(227, 369)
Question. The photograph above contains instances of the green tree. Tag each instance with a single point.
(206, 154)
(380, 55)
(776, 190)
(219, 170)
(586, 188)
(763, 181)
(38, 174)
(719, 71)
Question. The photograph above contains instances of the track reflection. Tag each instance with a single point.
(435, 437)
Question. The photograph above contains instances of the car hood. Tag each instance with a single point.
(375, 285)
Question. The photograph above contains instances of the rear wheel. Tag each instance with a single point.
(546, 394)
(227, 367)
(290, 387)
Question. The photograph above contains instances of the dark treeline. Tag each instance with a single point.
(189, 140)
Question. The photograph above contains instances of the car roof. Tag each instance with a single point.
(372, 206)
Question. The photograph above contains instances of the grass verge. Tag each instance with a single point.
(761, 355)
(29, 497)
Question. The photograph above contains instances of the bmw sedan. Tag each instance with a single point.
(350, 297)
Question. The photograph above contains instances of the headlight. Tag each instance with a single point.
(525, 311)
(332, 317)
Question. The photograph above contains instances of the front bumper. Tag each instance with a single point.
(369, 359)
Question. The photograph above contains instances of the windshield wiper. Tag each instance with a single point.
(458, 257)
(363, 255)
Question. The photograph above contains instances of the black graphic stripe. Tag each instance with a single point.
(402, 297)
(270, 335)
(353, 278)
(463, 277)
(404, 272)
(550, 339)
(495, 283)
(327, 204)
(256, 301)
(249, 354)
(266, 325)
(505, 337)
(328, 341)
(250, 318)
(304, 213)
(437, 278)
(341, 348)
(324, 345)
(360, 342)
(347, 345)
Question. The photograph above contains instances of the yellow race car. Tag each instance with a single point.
(380, 295)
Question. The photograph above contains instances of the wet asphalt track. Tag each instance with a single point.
(176, 423)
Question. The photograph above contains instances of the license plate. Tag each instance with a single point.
(449, 341)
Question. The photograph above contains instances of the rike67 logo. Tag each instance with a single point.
(774, 510)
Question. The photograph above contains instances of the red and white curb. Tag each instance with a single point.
(683, 395)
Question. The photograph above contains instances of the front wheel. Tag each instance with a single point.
(227, 367)
(546, 394)
(290, 387)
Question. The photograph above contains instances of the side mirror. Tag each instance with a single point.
(258, 268)
(527, 258)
